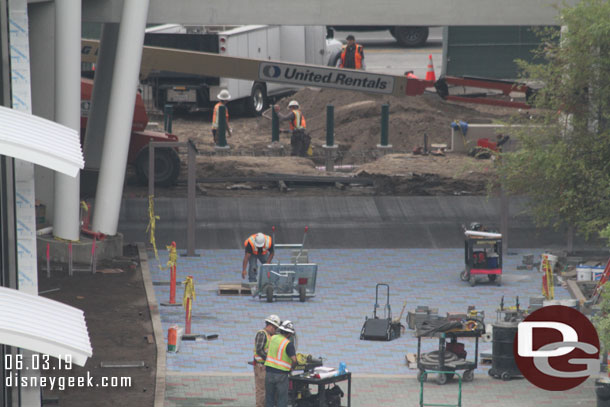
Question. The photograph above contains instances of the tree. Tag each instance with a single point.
(563, 160)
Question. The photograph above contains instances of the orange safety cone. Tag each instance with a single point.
(430, 76)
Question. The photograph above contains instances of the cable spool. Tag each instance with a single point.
(488, 335)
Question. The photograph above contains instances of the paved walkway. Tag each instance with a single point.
(216, 372)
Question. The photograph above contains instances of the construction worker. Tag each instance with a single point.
(410, 74)
(299, 140)
(259, 247)
(281, 358)
(261, 348)
(224, 96)
(352, 54)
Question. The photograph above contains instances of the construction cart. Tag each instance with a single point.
(482, 257)
(284, 280)
(450, 357)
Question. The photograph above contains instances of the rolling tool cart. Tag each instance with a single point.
(381, 329)
(450, 357)
(287, 280)
(482, 257)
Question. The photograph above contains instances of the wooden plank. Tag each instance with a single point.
(575, 291)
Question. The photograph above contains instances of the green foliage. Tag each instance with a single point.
(563, 160)
(602, 321)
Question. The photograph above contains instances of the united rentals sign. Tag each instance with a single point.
(326, 77)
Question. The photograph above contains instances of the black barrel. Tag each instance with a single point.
(503, 364)
(602, 391)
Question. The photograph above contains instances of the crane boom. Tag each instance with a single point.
(210, 64)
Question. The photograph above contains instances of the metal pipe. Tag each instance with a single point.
(385, 118)
(168, 116)
(190, 202)
(275, 127)
(222, 126)
(67, 112)
(120, 114)
(330, 125)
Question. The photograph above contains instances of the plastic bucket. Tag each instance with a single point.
(583, 274)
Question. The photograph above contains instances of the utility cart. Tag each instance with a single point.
(381, 329)
(283, 280)
(450, 357)
(482, 257)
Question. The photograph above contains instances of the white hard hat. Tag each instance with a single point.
(259, 240)
(293, 103)
(287, 326)
(224, 95)
(273, 320)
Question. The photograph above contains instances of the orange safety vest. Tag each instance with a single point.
(411, 75)
(255, 250)
(357, 56)
(215, 116)
(298, 122)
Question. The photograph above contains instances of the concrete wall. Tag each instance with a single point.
(338, 12)
(335, 222)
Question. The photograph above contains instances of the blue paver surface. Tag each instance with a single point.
(329, 325)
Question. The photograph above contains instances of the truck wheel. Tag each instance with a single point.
(257, 102)
(167, 166)
(410, 36)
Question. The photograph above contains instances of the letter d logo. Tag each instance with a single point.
(526, 339)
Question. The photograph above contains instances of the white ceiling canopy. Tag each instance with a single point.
(43, 325)
(40, 141)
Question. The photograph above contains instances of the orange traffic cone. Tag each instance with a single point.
(430, 76)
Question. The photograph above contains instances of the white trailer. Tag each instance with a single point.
(297, 44)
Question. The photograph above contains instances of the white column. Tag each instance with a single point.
(66, 223)
(98, 111)
(120, 115)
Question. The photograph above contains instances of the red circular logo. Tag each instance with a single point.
(556, 348)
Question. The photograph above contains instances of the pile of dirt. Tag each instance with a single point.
(235, 166)
(357, 133)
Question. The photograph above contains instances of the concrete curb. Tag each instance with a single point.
(155, 317)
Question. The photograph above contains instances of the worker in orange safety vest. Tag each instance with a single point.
(352, 54)
(224, 96)
(259, 247)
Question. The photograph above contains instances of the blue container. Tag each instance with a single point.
(492, 262)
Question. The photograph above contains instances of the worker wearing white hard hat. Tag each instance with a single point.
(299, 141)
(281, 359)
(261, 349)
(223, 96)
(259, 247)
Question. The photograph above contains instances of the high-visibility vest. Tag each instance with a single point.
(357, 56)
(258, 250)
(215, 116)
(412, 76)
(257, 357)
(277, 356)
(298, 122)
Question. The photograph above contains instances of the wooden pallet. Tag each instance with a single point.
(234, 289)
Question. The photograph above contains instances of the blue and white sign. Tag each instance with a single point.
(345, 79)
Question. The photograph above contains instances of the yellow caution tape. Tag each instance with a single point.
(189, 292)
(173, 255)
(152, 223)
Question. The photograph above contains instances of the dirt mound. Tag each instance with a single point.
(358, 118)
(231, 166)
